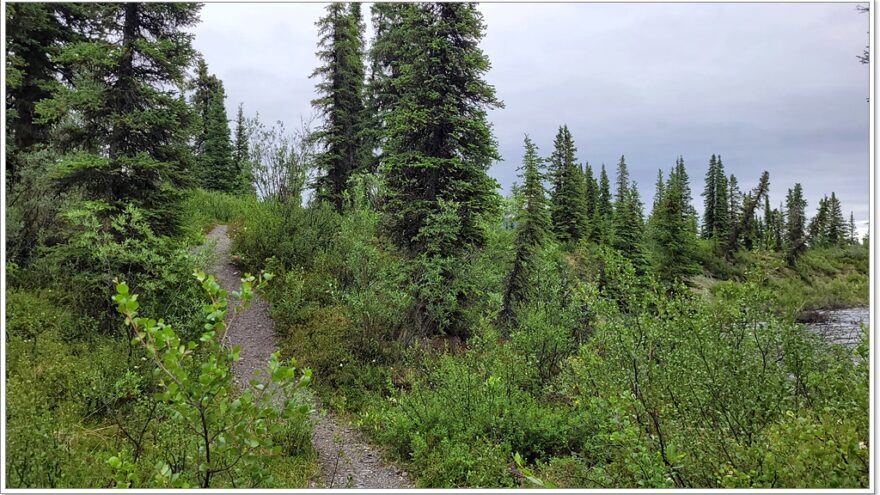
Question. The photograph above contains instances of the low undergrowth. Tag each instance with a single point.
(606, 380)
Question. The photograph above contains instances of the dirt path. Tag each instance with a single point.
(346, 460)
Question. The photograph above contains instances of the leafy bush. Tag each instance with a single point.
(204, 208)
(101, 246)
(342, 311)
(57, 393)
(293, 235)
(459, 419)
(31, 314)
(32, 206)
(234, 432)
(708, 382)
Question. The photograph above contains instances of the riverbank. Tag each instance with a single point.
(821, 280)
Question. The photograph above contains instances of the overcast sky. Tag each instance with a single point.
(767, 86)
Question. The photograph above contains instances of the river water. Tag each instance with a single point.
(839, 326)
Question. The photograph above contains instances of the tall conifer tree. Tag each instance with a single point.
(437, 152)
(743, 230)
(835, 231)
(722, 218)
(628, 217)
(567, 200)
(767, 231)
(709, 202)
(440, 144)
(387, 54)
(36, 36)
(795, 224)
(818, 224)
(659, 189)
(604, 208)
(133, 118)
(674, 237)
(533, 224)
(241, 153)
(215, 166)
(851, 231)
(341, 88)
(591, 188)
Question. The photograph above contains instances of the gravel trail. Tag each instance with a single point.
(346, 460)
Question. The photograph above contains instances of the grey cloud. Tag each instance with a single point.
(768, 86)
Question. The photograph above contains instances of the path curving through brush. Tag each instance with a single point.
(346, 460)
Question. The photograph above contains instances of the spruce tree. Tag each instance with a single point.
(591, 188)
(795, 223)
(440, 144)
(674, 237)
(568, 197)
(341, 89)
(735, 198)
(818, 224)
(835, 230)
(709, 194)
(659, 189)
(387, 54)
(604, 209)
(622, 185)
(240, 149)
(36, 36)
(215, 167)
(778, 229)
(731, 240)
(767, 225)
(743, 230)
(437, 152)
(680, 174)
(851, 231)
(636, 221)
(203, 85)
(532, 226)
(132, 137)
(241, 153)
(722, 218)
(628, 219)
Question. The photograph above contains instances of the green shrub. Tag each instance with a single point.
(544, 342)
(202, 209)
(57, 395)
(234, 431)
(287, 232)
(31, 314)
(709, 382)
(101, 246)
(459, 419)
